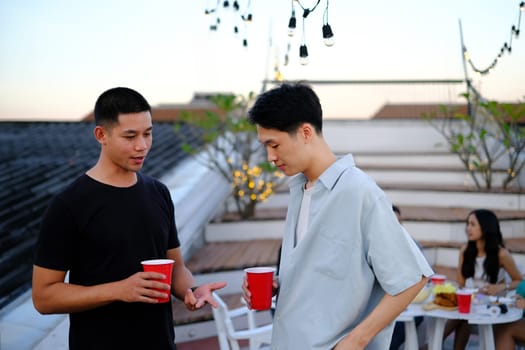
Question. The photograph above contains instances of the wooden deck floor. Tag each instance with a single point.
(227, 256)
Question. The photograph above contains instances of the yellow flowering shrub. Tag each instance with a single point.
(230, 147)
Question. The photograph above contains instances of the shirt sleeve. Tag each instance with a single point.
(54, 244)
(392, 253)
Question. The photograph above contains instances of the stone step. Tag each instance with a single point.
(433, 197)
(424, 223)
(409, 212)
(435, 161)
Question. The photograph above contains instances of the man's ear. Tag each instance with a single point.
(306, 131)
(100, 134)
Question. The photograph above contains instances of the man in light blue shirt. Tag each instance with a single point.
(348, 268)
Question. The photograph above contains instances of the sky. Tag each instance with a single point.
(58, 56)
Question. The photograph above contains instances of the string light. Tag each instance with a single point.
(245, 17)
(507, 46)
(326, 29)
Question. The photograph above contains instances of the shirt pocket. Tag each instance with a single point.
(334, 260)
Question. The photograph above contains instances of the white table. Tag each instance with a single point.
(479, 315)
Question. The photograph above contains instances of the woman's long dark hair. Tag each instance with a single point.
(491, 233)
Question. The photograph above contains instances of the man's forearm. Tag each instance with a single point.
(383, 314)
(182, 282)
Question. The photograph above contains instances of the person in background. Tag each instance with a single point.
(100, 228)
(508, 335)
(398, 335)
(397, 211)
(483, 263)
(347, 268)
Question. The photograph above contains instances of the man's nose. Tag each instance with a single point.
(141, 144)
(272, 157)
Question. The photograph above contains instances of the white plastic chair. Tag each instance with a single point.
(227, 334)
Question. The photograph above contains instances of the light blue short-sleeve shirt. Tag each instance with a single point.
(354, 251)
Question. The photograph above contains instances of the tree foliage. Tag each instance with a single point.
(230, 147)
(488, 138)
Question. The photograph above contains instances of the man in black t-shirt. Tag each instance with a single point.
(100, 228)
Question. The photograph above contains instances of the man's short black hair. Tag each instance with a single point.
(287, 107)
(119, 100)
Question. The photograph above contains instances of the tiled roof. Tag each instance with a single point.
(170, 112)
(37, 159)
(407, 111)
(416, 111)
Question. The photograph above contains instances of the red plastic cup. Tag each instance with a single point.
(164, 266)
(260, 284)
(438, 279)
(464, 297)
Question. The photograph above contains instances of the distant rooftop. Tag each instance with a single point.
(415, 111)
(200, 103)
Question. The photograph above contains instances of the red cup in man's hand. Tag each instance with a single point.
(164, 266)
(260, 284)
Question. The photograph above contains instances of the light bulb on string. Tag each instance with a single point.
(287, 55)
(303, 55)
(292, 24)
(215, 24)
(328, 35)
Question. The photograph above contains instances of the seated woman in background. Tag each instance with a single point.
(483, 263)
(507, 335)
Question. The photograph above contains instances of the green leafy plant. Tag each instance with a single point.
(230, 147)
(490, 135)
(510, 123)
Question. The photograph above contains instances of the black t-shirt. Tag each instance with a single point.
(100, 233)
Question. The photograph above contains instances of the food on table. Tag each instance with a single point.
(445, 295)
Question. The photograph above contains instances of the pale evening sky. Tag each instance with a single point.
(57, 56)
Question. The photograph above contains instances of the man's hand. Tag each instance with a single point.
(143, 287)
(247, 295)
(202, 295)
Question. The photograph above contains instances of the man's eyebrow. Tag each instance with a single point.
(266, 142)
(131, 131)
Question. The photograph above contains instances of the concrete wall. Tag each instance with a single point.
(385, 136)
(197, 192)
